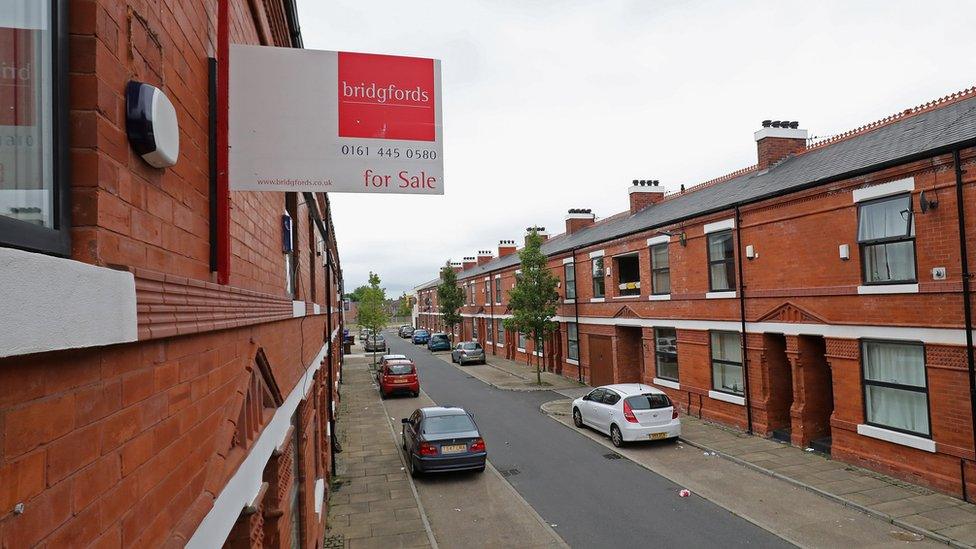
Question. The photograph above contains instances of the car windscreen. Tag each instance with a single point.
(420, 333)
(648, 401)
(471, 346)
(439, 338)
(455, 423)
(400, 369)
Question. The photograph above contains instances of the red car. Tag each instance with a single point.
(399, 376)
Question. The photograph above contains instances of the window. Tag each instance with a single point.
(598, 281)
(596, 395)
(490, 332)
(501, 332)
(572, 339)
(290, 242)
(521, 341)
(721, 262)
(474, 328)
(569, 270)
(628, 274)
(487, 292)
(35, 213)
(666, 353)
(895, 388)
(650, 401)
(727, 362)
(498, 290)
(886, 234)
(610, 397)
(660, 270)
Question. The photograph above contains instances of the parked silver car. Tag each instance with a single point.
(467, 352)
(375, 342)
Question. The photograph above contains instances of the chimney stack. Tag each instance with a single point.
(506, 247)
(484, 256)
(778, 139)
(579, 218)
(540, 230)
(643, 193)
(469, 262)
(456, 265)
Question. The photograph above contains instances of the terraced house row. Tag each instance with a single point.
(169, 350)
(821, 296)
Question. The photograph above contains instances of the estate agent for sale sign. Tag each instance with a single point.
(307, 120)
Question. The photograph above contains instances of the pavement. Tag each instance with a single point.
(810, 482)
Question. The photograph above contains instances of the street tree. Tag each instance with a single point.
(372, 308)
(357, 294)
(450, 297)
(405, 307)
(533, 299)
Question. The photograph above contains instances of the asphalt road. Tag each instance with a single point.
(591, 500)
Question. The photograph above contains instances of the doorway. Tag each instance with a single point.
(780, 385)
(601, 360)
(629, 354)
(814, 393)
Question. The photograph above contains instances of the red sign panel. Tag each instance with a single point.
(17, 73)
(386, 97)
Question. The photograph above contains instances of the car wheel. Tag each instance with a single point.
(403, 442)
(615, 437)
(577, 418)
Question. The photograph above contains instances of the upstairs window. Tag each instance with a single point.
(487, 292)
(35, 213)
(660, 270)
(721, 262)
(886, 235)
(569, 272)
(498, 291)
(628, 274)
(599, 284)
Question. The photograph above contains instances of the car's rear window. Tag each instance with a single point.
(420, 332)
(456, 423)
(648, 401)
(471, 346)
(439, 338)
(400, 369)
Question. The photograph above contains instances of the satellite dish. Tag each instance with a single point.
(925, 203)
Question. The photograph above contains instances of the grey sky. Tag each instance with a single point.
(550, 105)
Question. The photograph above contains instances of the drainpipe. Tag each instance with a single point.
(328, 328)
(579, 359)
(223, 181)
(742, 317)
(966, 306)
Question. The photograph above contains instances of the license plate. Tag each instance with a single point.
(454, 448)
(399, 381)
(657, 436)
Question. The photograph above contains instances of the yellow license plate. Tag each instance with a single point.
(657, 436)
(454, 448)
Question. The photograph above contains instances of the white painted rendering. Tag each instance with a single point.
(597, 299)
(725, 397)
(895, 437)
(598, 253)
(49, 302)
(784, 133)
(884, 189)
(666, 383)
(246, 481)
(580, 216)
(316, 309)
(888, 289)
(659, 297)
(297, 309)
(566, 261)
(572, 361)
(719, 295)
(722, 225)
(319, 495)
(660, 239)
(650, 189)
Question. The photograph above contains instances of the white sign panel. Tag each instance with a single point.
(308, 120)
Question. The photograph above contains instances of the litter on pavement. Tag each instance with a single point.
(684, 493)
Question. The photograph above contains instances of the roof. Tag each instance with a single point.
(628, 389)
(936, 127)
(428, 284)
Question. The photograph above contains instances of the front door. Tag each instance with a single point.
(601, 360)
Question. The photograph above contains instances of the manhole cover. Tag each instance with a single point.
(509, 472)
(612, 456)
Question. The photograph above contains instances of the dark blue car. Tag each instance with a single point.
(420, 337)
(439, 342)
(443, 438)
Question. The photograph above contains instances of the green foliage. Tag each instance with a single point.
(450, 297)
(357, 294)
(372, 305)
(405, 307)
(534, 298)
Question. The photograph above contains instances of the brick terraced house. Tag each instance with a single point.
(169, 351)
(842, 261)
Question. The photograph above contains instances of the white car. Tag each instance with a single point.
(628, 412)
